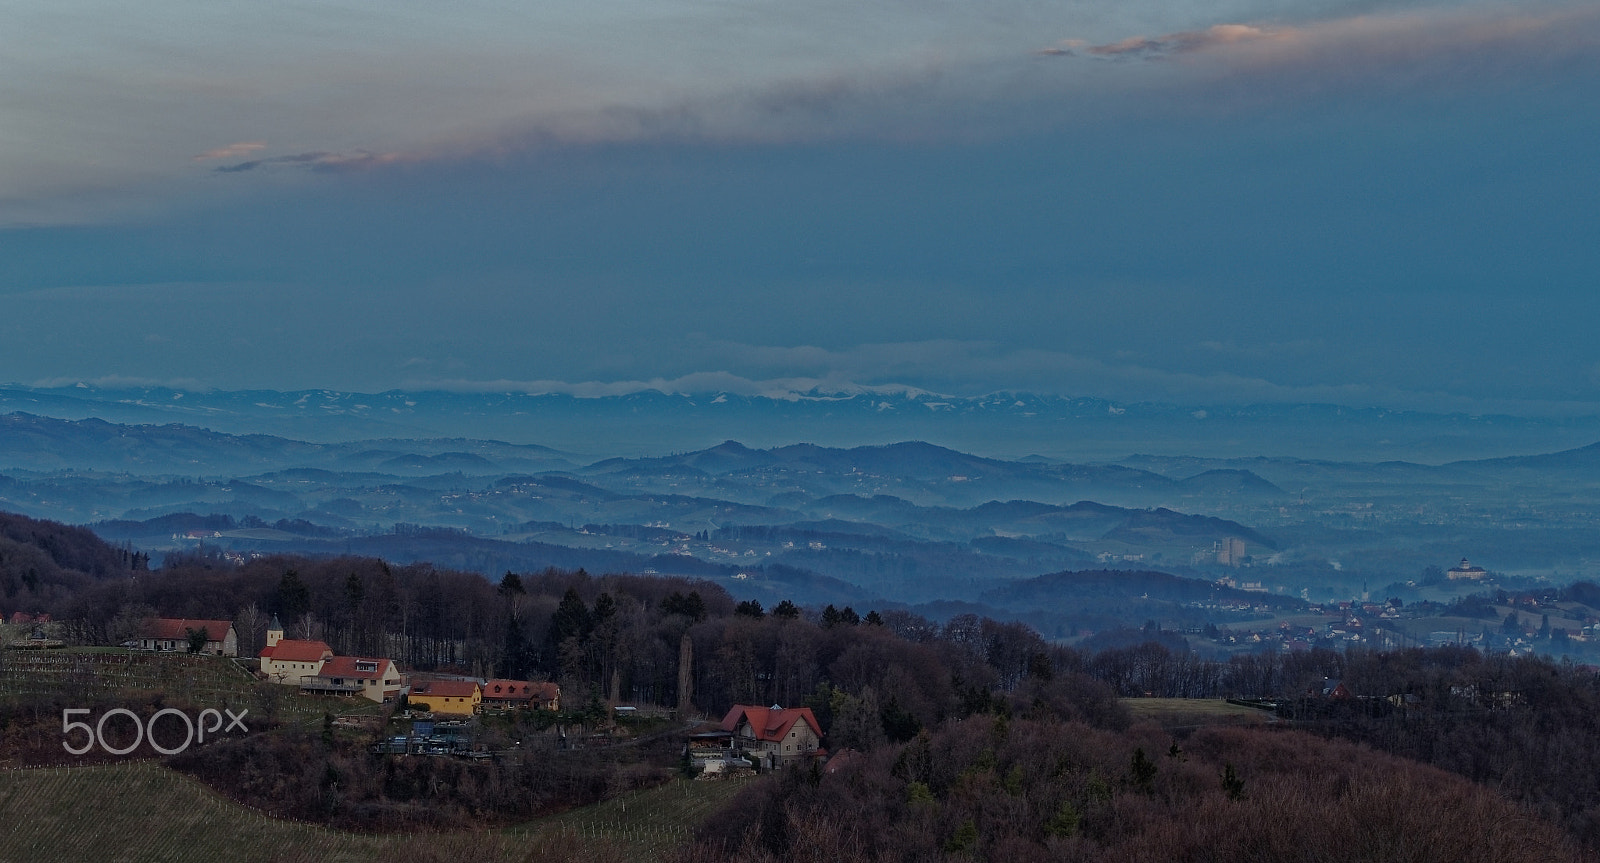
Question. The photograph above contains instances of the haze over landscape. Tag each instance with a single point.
(1366, 204)
(1110, 431)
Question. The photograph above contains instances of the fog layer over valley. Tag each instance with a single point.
(1224, 548)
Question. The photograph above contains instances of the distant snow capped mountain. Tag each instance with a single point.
(641, 422)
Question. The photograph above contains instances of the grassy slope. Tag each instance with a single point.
(1173, 713)
(203, 680)
(141, 811)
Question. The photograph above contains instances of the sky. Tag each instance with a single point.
(1368, 203)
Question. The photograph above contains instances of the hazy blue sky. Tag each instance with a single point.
(1360, 202)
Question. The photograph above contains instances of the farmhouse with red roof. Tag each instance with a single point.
(172, 633)
(312, 666)
(776, 734)
(374, 679)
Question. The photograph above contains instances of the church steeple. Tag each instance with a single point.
(274, 632)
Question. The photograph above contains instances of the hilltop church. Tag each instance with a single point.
(1465, 571)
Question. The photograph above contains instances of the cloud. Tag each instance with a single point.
(1262, 350)
(319, 160)
(951, 368)
(1193, 40)
(697, 383)
(114, 382)
(807, 71)
(1073, 377)
(1064, 48)
(1373, 40)
(232, 151)
(901, 105)
(989, 96)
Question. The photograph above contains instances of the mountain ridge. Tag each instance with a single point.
(1008, 424)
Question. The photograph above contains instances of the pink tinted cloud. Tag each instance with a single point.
(232, 151)
(1187, 41)
(1417, 35)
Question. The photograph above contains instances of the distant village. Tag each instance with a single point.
(1520, 623)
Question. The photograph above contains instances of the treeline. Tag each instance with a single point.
(655, 640)
(187, 521)
(1031, 787)
(422, 616)
(647, 639)
(1159, 664)
(917, 572)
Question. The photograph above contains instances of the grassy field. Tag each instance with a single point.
(141, 812)
(210, 681)
(647, 822)
(1176, 713)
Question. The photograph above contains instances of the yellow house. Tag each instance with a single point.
(446, 696)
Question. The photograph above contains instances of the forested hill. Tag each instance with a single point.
(878, 678)
(42, 562)
(623, 637)
(1077, 586)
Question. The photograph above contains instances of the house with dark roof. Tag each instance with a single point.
(1331, 687)
(776, 735)
(501, 694)
(546, 696)
(173, 633)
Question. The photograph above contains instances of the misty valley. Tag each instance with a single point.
(1149, 656)
(799, 432)
(1227, 551)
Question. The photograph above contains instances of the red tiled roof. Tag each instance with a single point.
(840, 759)
(294, 650)
(769, 723)
(444, 688)
(346, 666)
(177, 628)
